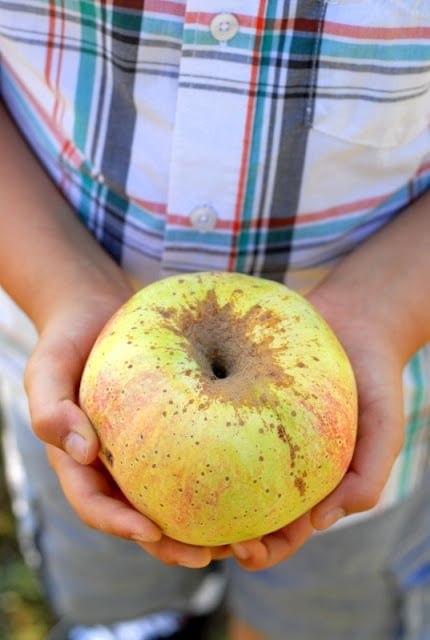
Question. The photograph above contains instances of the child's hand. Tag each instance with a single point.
(100, 505)
(52, 383)
(377, 363)
(378, 350)
(377, 356)
(54, 371)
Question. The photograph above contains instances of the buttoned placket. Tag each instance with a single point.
(209, 129)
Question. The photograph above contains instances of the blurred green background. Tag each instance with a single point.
(23, 614)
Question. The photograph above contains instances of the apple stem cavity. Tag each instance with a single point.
(218, 368)
(245, 369)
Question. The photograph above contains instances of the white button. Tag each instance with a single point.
(203, 218)
(224, 26)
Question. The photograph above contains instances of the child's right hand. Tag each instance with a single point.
(52, 383)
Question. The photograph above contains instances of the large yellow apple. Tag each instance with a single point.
(224, 404)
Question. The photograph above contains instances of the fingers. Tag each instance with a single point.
(99, 504)
(379, 441)
(173, 552)
(256, 555)
(51, 380)
(93, 495)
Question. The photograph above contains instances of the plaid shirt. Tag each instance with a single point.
(263, 136)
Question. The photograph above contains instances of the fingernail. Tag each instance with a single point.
(76, 446)
(330, 518)
(240, 551)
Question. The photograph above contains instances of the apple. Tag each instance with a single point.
(224, 404)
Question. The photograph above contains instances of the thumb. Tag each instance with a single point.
(52, 380)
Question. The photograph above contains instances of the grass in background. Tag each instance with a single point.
(23, 613)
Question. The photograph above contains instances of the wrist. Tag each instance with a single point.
(72, 301)
(373, 314)
(384, 284)
(77, 269)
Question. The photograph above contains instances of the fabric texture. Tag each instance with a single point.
(371, 583)
(143, 116)
(273, 152)
(269, 137)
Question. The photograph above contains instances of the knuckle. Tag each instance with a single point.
(44, 425)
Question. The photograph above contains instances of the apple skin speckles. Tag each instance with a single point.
(224, 404)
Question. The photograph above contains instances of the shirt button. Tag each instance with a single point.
(203, 218)
(224, 26)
